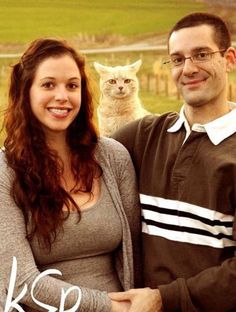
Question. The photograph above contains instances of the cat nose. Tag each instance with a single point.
(120, 88)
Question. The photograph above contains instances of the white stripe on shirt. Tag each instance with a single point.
(184, 222)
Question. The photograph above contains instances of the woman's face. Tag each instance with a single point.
(55, 94)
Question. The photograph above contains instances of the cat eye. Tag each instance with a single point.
(112, 81)
(127, 80)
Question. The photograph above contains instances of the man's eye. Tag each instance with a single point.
(201, 55)
(112, 81)
(177, 60)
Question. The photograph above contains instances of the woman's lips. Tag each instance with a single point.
(59, 112)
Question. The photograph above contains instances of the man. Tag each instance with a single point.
(186, 166)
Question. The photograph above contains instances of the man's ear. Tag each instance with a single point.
(230, 55)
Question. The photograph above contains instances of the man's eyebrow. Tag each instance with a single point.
(199, 49)
(195, 50)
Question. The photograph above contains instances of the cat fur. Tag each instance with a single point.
(119, 101)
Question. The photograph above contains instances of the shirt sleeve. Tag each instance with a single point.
(211, 290)
(13, 243)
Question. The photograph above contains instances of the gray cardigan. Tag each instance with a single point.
(119, 176)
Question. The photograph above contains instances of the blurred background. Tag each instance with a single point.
(109, 32)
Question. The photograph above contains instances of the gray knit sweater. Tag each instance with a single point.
(119, 177)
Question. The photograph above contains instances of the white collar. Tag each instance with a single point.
(217, 130)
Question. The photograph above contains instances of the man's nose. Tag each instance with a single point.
(189, 67)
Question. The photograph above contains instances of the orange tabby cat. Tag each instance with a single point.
(119, 101)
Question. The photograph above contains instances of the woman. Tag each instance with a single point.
(68, 198)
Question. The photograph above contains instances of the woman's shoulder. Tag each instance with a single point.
(3, 163)
(111, 152)
(5, 171)
(109, 146)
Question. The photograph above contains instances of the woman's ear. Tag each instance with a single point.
(230, 55)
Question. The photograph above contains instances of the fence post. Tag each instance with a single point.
(177, 94)
(166, 86)
(157, 84)
(143, 81)
(148, 82)
(230, 92)
(112, 58)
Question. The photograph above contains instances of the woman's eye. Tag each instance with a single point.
(127, 80)
(48, 85)
(112, 81)
(73, 86)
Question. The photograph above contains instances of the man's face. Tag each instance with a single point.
(203, 82)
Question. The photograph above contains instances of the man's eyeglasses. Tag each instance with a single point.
(200, 57)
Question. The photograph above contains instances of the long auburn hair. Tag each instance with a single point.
(36, 187)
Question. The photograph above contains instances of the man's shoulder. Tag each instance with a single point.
(138, 132)
(152, 121)
(146, 125)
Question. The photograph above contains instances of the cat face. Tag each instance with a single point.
(118, 82)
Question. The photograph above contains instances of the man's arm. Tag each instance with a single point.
(211, 290)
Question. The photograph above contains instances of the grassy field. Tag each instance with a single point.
(23, 20)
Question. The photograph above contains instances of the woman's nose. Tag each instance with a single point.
(61, 94)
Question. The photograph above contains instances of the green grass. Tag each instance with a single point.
(22, 21)
(159, 103)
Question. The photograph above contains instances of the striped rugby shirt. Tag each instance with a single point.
(187, 186)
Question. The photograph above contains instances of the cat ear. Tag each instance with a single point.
(101, 69)
(135, 66)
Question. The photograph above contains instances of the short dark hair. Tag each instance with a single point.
(221, 32)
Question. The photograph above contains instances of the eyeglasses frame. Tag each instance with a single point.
(210, 53)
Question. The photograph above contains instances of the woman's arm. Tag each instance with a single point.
(127, 184)
(130, 201)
